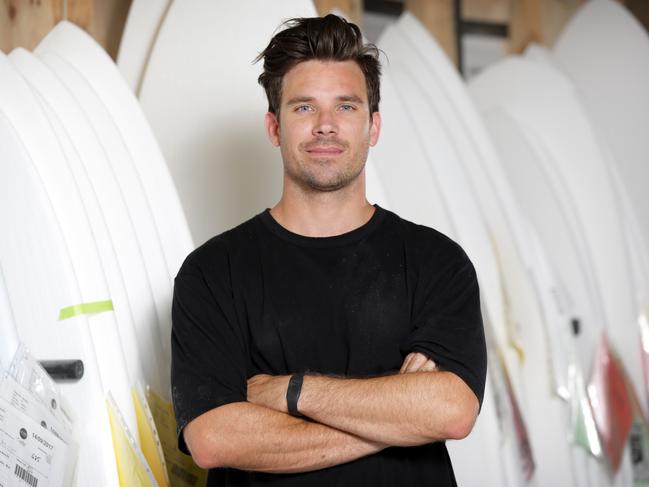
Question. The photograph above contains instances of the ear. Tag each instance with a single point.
(272, 128)
(375, 128)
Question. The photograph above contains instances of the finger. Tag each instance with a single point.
(417, 361)
(429, 366)
(409, 357)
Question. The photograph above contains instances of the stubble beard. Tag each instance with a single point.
(308, 174)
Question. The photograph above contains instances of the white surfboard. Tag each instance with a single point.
(535, 188)
(431, 182)
(611, 73)
(20, 108)
(637, 249)
(208, 116)
(161, 224)
(139, 36)
(150, 337)
(547, 414)
(80, 50)
(398, 143)
(108, 214)
(638, 262)
(374, 188)
(579, 162)
(40, 279)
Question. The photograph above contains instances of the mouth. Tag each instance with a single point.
(324, 151)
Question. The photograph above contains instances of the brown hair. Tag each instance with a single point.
(329, 38)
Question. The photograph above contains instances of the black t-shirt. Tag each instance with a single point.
(261, 299)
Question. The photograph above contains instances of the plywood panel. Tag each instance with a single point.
(539, 21)
(24, 23)
(352, 9)
(439, 18)
(640, 9)
(107, 23)
(496, 11)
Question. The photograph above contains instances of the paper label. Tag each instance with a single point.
(28, 452)
(132, 467)
(29, 374)
(21, 399)
(584, 430)
(639, 444)
(148, 433)
(183, 472)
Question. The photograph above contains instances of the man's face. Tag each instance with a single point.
(324, 129)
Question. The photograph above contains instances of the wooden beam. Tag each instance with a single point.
(351, 9)
(107, 23)
(438, 16)
(25, 23)
(539, 21)
(640, 9)
(494, 11)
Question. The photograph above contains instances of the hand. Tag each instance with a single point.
(417, 362)
(269, 391)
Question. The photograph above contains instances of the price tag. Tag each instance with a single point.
(29, 452)
(29, 374)
(22, 400)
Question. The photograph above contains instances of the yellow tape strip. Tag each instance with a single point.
(85, 309)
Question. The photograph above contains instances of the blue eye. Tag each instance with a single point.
(302, 108)
(347, 108)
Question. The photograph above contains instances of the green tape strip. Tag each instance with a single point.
(85, 309)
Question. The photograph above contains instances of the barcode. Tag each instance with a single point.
(183, 474)
(25, 476)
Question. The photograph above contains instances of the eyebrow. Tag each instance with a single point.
(308, 99)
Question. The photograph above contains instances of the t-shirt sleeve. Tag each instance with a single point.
(447, 319)
(209, 362)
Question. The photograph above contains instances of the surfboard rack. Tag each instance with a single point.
(63, 370)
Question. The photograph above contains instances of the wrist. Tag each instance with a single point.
(293, 392)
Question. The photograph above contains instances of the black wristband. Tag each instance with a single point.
(293, 393)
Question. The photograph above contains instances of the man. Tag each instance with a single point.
(326, 342)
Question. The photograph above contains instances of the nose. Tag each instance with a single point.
(325, 124)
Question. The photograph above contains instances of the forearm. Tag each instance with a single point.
(404, 410)
(251, 437)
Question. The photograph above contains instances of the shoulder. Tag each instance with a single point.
(218, 252)
(425, 243)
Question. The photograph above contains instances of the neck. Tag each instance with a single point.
(323, 214)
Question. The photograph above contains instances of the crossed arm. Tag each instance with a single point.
(345, 419)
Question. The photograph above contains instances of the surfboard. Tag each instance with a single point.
(579, 162)
(20, 108)
(425, 180)
(150, 340)
(445, 92)
(152, 198)
(638, 253)
(108, 215)
(79, 49)
(611, 73)
(639, 266)
(139, 36)
(374, 188)
(534, 183)
(42, 81)
(41, 279)
(210, 125)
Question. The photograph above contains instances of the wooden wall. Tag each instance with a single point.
(539, 21)
(351, 9)
(23, 23)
